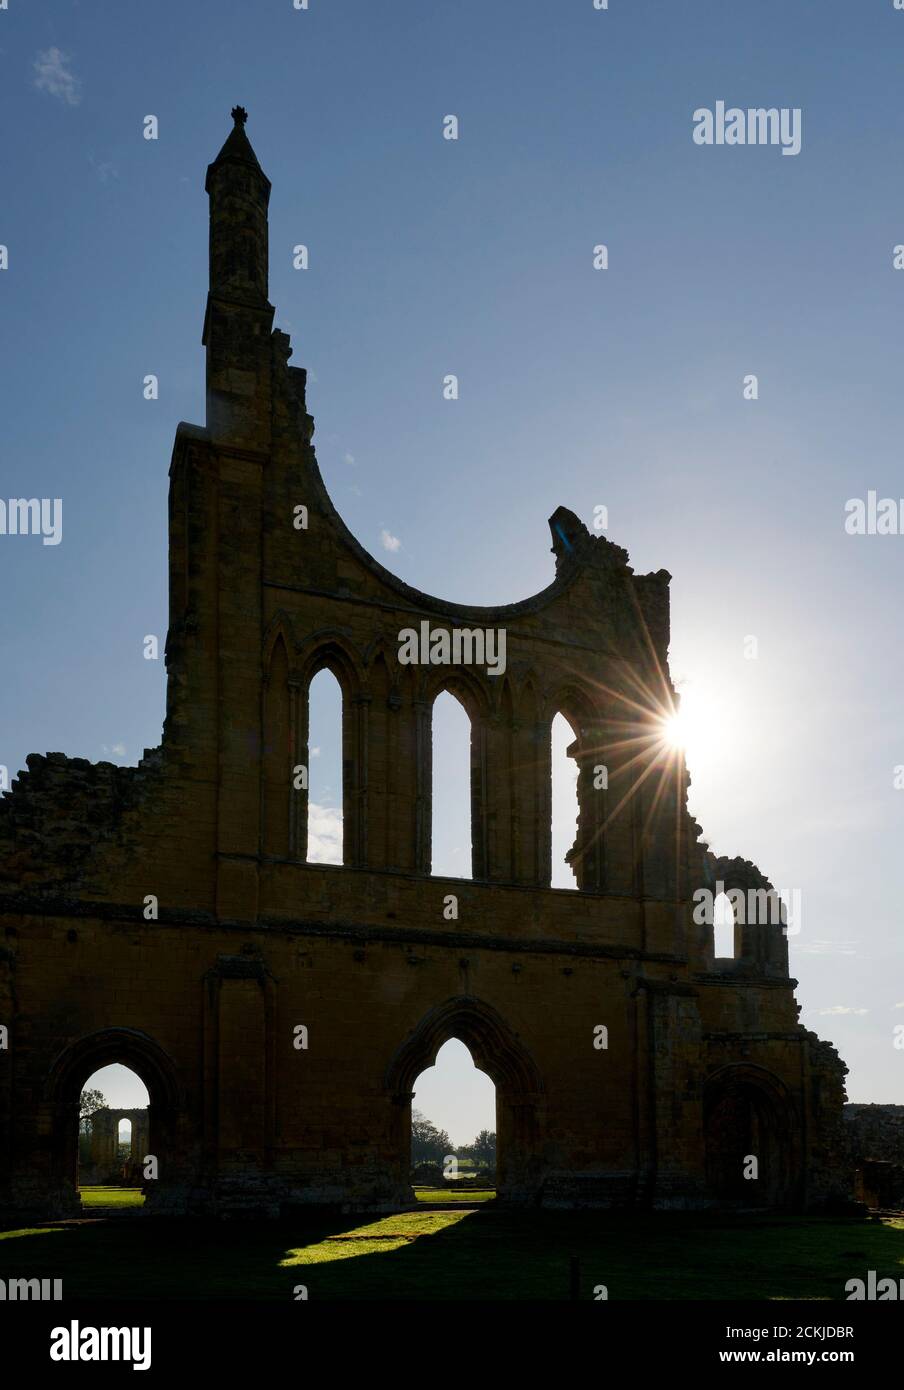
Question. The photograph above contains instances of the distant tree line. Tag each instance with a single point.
(431, 1145)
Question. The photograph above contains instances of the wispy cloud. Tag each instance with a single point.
(840, 1009)
(349, 458)
(389, 542)
(104, 169)
(324, 834)
(53, 75)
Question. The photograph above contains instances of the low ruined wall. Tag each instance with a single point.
(875, 1143)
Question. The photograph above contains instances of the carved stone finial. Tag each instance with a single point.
(239, 115)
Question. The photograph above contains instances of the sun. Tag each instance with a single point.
(675, 731)
(698, 727)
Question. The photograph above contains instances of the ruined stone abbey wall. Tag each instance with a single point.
(165, 916)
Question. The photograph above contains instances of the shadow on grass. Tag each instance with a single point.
(449, 1255)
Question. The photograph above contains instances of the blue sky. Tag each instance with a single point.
(577, 387)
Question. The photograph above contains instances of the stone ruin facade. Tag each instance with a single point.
(165, 916)
(874, 1145)
(103, 1162)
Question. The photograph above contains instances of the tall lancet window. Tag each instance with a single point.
(564, 802)
(325, 840)
(451, 788)
(723, 928)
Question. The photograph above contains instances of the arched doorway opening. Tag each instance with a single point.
(113, 1138)
(497, 1051)
(751, 1140)
(453, 1128)
(135, 1061)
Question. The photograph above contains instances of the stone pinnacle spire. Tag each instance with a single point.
(239, 316)
(239, 194)
(237, 146)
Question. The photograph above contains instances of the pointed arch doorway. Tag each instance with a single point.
(68, 1075)
(749, 1115)
(496, 1050)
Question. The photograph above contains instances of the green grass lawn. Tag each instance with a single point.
(112, 1196)
(487, 1254)
(469, 1195)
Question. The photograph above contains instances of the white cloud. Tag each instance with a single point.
(826, 948)
(389, 542)
(315, 752)
(53, 76)
(349, 458)
(841, 1009)
(324, 834)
